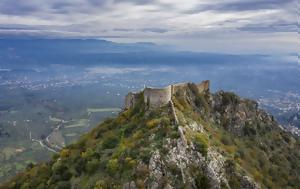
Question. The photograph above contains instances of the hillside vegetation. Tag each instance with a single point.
(215, 141)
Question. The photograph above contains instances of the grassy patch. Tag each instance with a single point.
(201, 143)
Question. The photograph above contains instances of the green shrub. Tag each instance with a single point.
(128, 129)
(129, 163)
(145, 154)
(249, 129)
(174, 134)
(240, 153)
(63, 185)
(153, 123)
(92, 166)
(230, 167)
(79, 165)
(66, 175)
(202, 181)
(201, 102)
(41, 186)
(100, 184)
(229, 98)
(234, 182)
(110, 141)
(113, 166)
(165, 121)
(201, 143)
(226, 140)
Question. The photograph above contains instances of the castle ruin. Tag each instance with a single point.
(157, 97)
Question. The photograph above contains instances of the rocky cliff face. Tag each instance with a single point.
(197, 140)
(238, 115)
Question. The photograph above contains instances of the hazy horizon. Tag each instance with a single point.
(230, 26)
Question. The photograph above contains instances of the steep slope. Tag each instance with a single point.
(196, 140)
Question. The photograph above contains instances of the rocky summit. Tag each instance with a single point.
(181, 136)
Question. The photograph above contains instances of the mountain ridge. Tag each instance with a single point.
(191, 139)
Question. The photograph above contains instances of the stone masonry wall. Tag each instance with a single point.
(155, 97)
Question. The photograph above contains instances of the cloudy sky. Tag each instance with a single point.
(235, 26)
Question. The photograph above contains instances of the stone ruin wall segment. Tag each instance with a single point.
(157, 97)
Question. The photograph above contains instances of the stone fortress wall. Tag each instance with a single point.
(157, 97)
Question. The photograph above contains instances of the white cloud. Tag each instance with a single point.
(168, 21)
